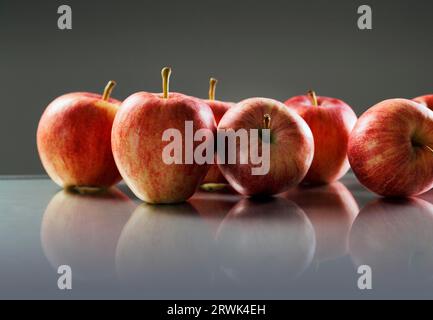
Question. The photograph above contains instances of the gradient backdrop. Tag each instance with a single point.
(267, 48)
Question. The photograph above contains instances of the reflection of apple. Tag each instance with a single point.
(427, 196)
(165, 249)
(331, 209)
(82, 231)
(395, 238)
(213, 207)
(264, 244)
(74, 139)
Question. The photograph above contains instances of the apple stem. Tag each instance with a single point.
(212, 85)
(108, 89)
(312, 95)
(165, 73)
(267, 121)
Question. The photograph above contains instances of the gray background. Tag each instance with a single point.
(255, 48)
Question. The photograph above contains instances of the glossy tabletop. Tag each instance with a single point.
(307, 243)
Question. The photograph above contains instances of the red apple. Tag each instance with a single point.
(331, 209)
(390, 148)
(331, 121)
(264, 244)
(74, 139)
(82, 231)
(426, 100)
(291, 147)
(219, 108)
(137, 140)
(394, 237)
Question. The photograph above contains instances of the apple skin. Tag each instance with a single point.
(394, 237)
(82, 230)
(219, 108)
(137, 145)
(291, 150)
(387, 148)
(426, 100)
(74, 141)
(331, 209)
(331, 122)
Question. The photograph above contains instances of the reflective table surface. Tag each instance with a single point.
(306, 243)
